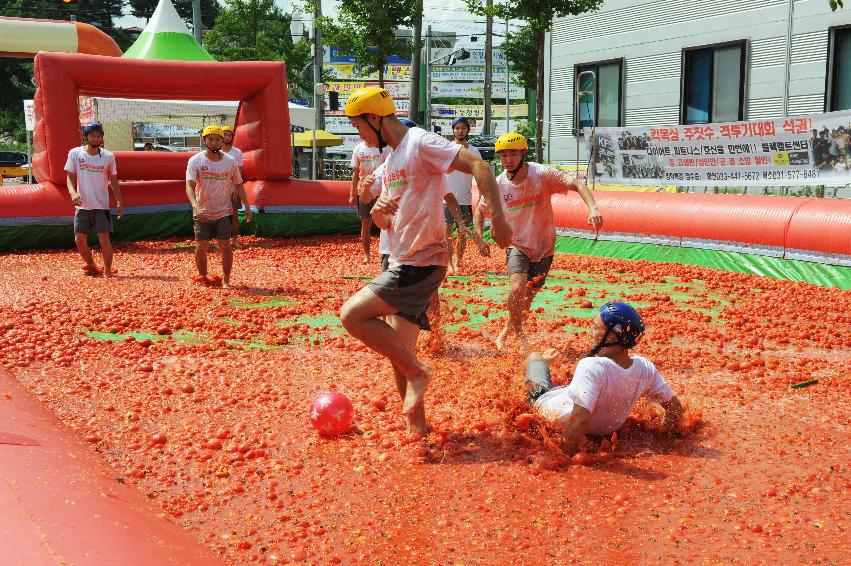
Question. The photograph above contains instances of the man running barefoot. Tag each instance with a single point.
(527, 189)
(411, 210)
(91, 172)
(365, 160)
(606, 385)
(461, 185)
(211, 176)
(236, 153)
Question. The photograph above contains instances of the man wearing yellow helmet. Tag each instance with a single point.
(527, 189)
(211, 177)
(410, 208)
(236, 153)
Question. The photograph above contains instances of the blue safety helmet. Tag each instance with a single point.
(409, 123)
(624, 322)
(460, 120)
(93, 127)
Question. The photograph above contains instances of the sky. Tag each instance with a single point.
(443, 15)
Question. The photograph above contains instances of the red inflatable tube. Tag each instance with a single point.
(259, 86)
(62, 504)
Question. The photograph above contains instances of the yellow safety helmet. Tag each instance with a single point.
(511, 140)
(227, 128)
(370, 100)
(210, 130)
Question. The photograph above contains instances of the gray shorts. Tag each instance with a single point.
(235, 202)
(212, 230)
(409, 289)
(365, 210)
(385, 262)
(466, 215)
(518, 262)
(538, 380)
(85, 220)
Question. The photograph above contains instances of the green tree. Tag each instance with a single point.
(521, 50)
(257, 30)
(209, 10)
(539, 16)
(364, 29)
(17, 73)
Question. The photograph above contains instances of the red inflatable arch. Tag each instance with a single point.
(259, 86)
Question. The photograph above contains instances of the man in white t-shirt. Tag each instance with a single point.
(236, 153)
(527, 190)
(606, 385)
(211, 178)
(365, 160)
(410, 208)
(91, 172)
(461, 185)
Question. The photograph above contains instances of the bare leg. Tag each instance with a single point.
(106, 250)
(234, 228)
(227, 261)
(462, 245)
(450, 268)
(82, 241)
(365, 227)
(201, 248)
(359, 316)
(408, 332)
(516, 302)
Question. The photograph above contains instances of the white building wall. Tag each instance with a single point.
(650, 37)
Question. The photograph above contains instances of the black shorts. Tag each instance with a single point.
(385, 262)
(99, 219)
(409, 289)
(518, 262)
(466, 215)
(212, 230)
(364, 210)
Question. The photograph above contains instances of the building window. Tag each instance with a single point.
(839, 76)
(601, 94)
(713, 84)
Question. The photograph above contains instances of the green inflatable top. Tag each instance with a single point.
(166, 37)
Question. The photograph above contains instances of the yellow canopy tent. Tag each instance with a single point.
(323, 139)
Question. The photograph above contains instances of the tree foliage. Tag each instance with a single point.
(209, 10)
(257, 30)
(539, 16)
(17, 73)
(365, 29)
(521, 50)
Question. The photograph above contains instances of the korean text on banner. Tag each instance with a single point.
(810, 150)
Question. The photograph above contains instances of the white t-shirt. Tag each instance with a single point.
(461, 184)
(367, 159)
(607, 390)
(236, 153)
(93, 172)
(529, 209)
(416, 171)
(214, 181)
(375, 191)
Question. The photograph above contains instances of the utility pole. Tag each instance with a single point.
(416, 58)
(196, 19)
(318, 99)
(507, 84)
(427, 120)
(486, 129)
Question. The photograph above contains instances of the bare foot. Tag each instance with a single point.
(225, 284)
(415, 390)
(417, 424)
(500, 340)
(523, 343)
(366, 259)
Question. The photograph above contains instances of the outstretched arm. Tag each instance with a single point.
(468, 162)
(673, 413)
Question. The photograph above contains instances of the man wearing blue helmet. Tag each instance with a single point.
(91, 172)
(607, 383)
